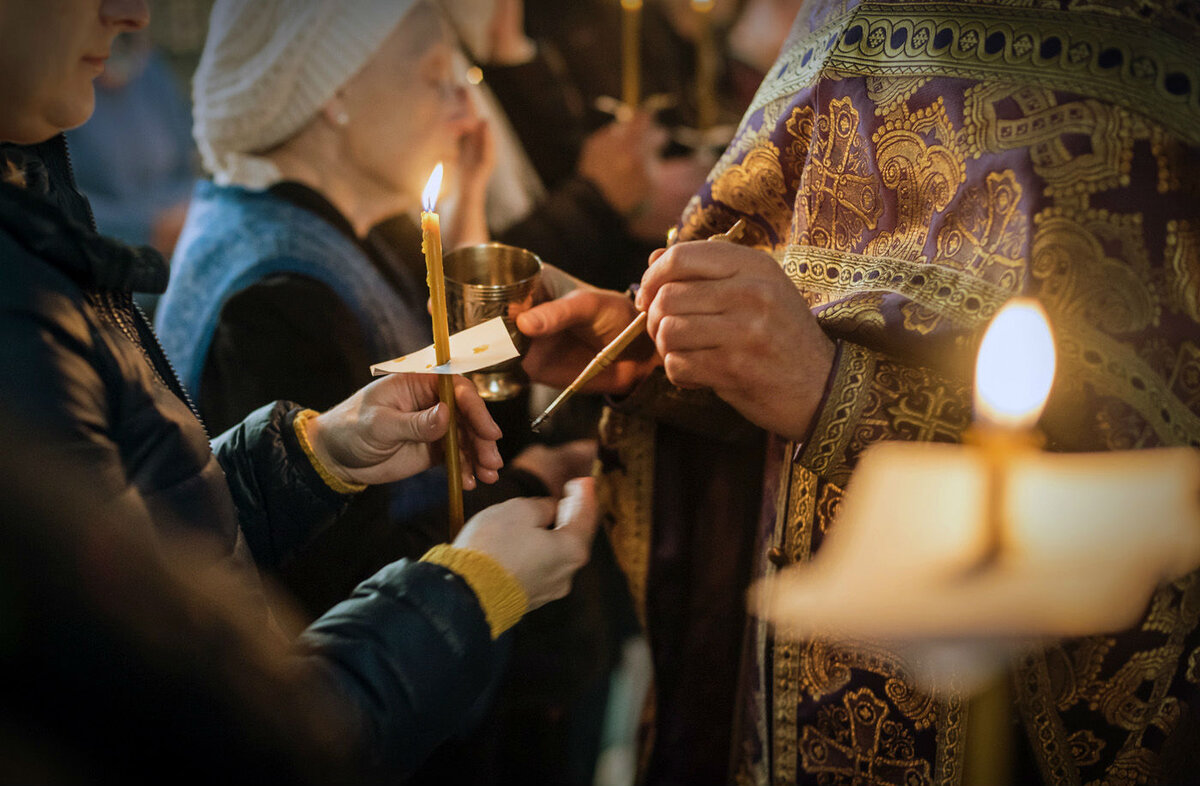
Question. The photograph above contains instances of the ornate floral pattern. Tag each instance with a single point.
(935, 159)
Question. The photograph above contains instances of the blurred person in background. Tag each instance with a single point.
(317, 121)
(399, 664)
(134, 158)
(611, 193)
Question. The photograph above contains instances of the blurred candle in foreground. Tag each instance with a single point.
(631, 41)
(1015, 366)
(431, 245)
(1013, 374)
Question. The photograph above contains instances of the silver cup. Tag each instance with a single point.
(486, 281)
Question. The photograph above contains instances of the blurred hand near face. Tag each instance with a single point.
(476, 162)
(508, 44)
(618, 159)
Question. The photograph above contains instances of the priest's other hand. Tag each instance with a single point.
(515, 534)
(391, 429)
(619, 160)
(726, 317)
(567, 333)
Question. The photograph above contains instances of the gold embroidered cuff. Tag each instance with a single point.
(502, 597)
(331, 480)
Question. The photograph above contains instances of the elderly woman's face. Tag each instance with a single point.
(406, 110)
(50, 51)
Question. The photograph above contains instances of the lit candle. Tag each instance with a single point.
(1013, 374)
(631, 78)
(961, 557)
(706, 65)
(1015, 367)
(431, 245)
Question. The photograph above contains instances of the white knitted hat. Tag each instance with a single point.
(269, 66)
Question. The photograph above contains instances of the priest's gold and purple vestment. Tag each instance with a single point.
(912, 165)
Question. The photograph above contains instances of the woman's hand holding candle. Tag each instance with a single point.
(390, 430)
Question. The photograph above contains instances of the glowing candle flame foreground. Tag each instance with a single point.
(432, 188)
(1015, 367)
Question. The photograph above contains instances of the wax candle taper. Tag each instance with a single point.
(706, 65)
(626, 337)
(631, 61)
(1013, 374)
(431, 245)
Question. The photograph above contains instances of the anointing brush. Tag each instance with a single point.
(615, 347)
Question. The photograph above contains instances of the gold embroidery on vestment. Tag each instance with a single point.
(839, 190)
(1136, 66)
(1183, 267)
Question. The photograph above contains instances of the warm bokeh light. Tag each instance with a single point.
(430, 195)
(703, 6)
(632, 5)
(1015, 367)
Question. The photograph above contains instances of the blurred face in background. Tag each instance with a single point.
(51, 51)
(406, 109)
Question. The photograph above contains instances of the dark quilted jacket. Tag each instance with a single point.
(408, 654)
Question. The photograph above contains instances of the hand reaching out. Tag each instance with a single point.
(555, 465)
(515, 534)
(618, 159)
(568, 332)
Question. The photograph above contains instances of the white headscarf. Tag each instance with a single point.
(269, 66)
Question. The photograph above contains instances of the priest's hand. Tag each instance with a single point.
(390, 430)
(568, 332)
(726, 317)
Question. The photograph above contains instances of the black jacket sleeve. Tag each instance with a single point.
(410, 652)
(281, 500)
(132, 664)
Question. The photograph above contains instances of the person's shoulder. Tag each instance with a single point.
(234, 227)
(285, 288)
(294, 297)
(30, 283)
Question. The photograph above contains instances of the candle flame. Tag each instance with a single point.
(1015, 367)
(631, 5)
(430, 195)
